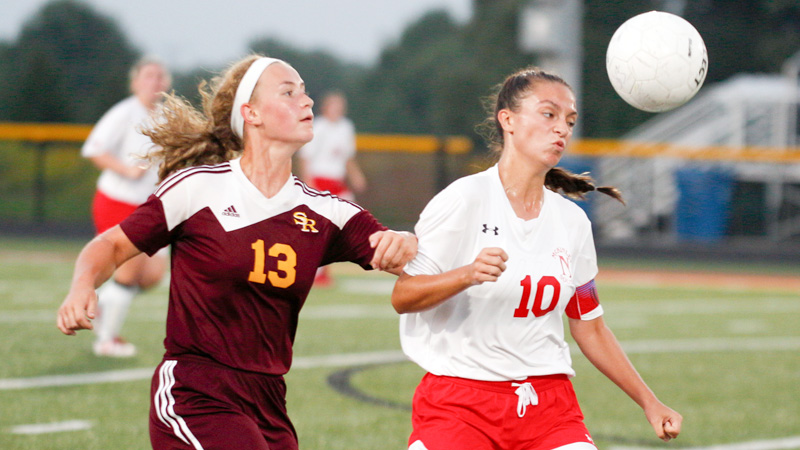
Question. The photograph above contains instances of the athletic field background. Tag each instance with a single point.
(719, 342)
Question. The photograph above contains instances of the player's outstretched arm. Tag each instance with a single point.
(109, 161)
(358, 182)
(421, 292)
(602, 349)
(95, 264)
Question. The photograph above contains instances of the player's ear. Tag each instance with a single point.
(250, 114)
(506, 120)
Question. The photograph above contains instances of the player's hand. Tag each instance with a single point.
(665, 421)
(392, 250)
(488, 265)
(77, 311)
(358, 183)
(134, 172)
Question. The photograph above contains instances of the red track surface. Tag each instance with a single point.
(696, 278)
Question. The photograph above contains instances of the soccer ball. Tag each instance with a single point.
(656, 61)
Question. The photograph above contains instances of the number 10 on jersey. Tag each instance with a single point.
(523, 309)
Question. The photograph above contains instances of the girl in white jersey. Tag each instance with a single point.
(501, 257)
(117, 146)
(328, 162)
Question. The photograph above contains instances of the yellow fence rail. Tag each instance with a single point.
(412, 143)
(454, 145)
(40, 132)
(432, 161)
(46, 142)
(628, 149)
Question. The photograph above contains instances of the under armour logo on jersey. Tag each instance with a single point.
(230, 211)
(486, 229)
(300, 218)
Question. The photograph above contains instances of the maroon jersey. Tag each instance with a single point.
(242, 263)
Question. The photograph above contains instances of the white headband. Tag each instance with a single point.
(245, 91)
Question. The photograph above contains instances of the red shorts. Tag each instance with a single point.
(334, 186)
(457, 413)
(197, 404)
(108, 212)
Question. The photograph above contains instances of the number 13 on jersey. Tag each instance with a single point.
(287, 262)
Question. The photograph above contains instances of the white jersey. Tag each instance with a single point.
(333, 145)
(513, 328)
(117, 133)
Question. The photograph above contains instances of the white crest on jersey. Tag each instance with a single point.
(562, 256)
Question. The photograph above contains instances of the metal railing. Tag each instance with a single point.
(426, 157)
(745, 126)
(407, 170)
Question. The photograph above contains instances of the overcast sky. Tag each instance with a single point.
(190, 33)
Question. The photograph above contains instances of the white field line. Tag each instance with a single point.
(311, 312)
(350, 359)
(715, 306)
(711, 345)
(363, 286)
(116, 376)
(384, 311)
(48, 316)
(53, 427)
(787, 443)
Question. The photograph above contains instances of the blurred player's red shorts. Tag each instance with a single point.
(336, 187)
(108, 212)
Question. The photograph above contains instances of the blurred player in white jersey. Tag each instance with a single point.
(118, 148)
(328, 162)
(502, 256)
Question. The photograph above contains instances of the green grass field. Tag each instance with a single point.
(725, 357)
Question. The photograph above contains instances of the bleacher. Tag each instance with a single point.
(723, 169)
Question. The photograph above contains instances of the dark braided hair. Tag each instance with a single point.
(508, 95)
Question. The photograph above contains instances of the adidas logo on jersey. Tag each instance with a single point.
(230, 211)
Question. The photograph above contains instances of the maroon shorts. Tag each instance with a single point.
(456, 413)
(108, 212)
(199, 404)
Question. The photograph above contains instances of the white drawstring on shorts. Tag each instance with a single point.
(527, 396)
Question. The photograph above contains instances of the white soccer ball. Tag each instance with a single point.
(656, 61)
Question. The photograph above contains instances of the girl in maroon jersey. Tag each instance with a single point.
(247, 238)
